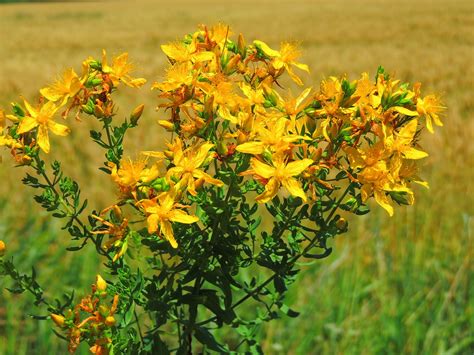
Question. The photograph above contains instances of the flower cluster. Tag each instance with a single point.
(240, 142)
(227, 93)
(92, 320)
(31, 124)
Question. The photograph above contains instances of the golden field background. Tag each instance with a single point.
(393, 285)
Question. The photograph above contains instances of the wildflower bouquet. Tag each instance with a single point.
(242, 150)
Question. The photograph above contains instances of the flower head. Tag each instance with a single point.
(278, 174)
(64, 88)
(42, 118)
(119, 70)
(161, 211)
(430, 107)
(188, 165)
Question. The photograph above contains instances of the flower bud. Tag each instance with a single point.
(93, 81)
(87, 109)
(103, 310)
(221, 148)
(341, 224)
(110, 321)
(241, 45)
(136, 114)
(169, 126)
(160, 184)
(57, 319)
(101, 284)
(232, 64)
(169, 154)
(98, 111)
(267, 155)
(3, 247)
(94, 64)
(198, 183)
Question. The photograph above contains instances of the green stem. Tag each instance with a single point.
(193, 311)
(138, 325)
(338, 203)
(70, 212)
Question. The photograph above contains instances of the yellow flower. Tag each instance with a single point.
(274, 137)
(401, 142)
(219, 34)
(64, 88)
(255, 96)
(100, 283)
(377, 179)
(285, 58)
(117, 232)
(293, 108)
(187, 163)
(180, 52)
(176, 76)
(408, 171)
(161, 211)
(131, 173)
(368, 157)
(58, 319)
(3, 247)
(430, 107)
(3, 119)
(280, 173)
(42, 118)
(5, 139)
(119, 70)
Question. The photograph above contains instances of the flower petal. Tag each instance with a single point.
(262, 169)
(383, 201)
(31, 110)
(182, 217)
(266, 49)
(167, 230)
(43, 138)
(152, 222)
(251, 148)
(58, 129)
(297, 167)
(294, 188)
(271, 189)
(412, 153)
(27, 124)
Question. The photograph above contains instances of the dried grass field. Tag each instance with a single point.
(400, 285)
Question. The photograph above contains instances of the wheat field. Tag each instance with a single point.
(393, 285)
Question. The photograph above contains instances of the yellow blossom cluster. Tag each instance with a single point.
(91, 320)
(229, 93)
(32, 123)
(226, 103)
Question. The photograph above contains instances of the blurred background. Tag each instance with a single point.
(400, 285)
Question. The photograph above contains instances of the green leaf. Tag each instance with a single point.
(205, 337)
(288, 311)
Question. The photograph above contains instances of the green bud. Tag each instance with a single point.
(267, 155)
(267, 104)
(17, 110)
(341, 224)
(160, 184)
(93, 81)
(89, 107)
(96, 65)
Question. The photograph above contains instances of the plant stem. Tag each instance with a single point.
(328, 219)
